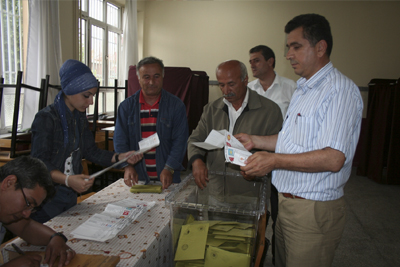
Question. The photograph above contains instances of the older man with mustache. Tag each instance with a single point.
(238, 110)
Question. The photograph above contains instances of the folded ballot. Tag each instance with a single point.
(235, 152)
(106, 225)
(214, 140)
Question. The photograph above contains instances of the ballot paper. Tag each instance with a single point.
(106, 225)
(192, 242)
(145, 145)
(235, 152)
(215, 140)
(216, 257)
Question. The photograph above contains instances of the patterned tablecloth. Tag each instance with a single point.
(146, 242)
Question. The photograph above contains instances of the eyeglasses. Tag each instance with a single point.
(28, 204)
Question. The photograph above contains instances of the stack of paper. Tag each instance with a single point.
(106, 225)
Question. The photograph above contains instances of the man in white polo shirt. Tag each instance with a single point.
(269, 84)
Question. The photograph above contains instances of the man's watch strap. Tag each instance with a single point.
(59, 234)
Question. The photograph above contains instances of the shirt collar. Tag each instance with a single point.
(142, 101)
(305, 84)
(244, 104)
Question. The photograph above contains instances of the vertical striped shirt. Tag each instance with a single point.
(325, 111)
(148, 121)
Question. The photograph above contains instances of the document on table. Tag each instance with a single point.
(235, 152)
(145, 145)
(106, 225)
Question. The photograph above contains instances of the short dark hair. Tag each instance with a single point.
(265, 51)
(149, 60)
(29, 172)
(315, 29)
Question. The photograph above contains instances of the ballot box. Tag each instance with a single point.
(217, 225)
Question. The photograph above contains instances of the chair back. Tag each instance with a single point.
(17, 99)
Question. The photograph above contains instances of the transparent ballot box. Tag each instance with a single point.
(217, 225)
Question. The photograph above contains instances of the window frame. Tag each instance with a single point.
(9, 71)
(86, 56)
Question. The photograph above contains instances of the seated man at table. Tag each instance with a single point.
(151, 110)
(240, 109)
(25, 184)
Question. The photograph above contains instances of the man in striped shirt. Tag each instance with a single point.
(151, 110)
(313, 151)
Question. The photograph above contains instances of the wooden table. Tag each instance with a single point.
(146, 242)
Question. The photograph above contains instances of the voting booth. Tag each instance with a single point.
(217, 225)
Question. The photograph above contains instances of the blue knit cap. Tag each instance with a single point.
(75, 78)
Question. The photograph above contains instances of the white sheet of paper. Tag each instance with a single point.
(149, 142)
(214, 140)
(235, 152)
(144, 146)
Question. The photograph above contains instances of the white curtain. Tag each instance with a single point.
(1, 75)
(129, 53)
(43, 53)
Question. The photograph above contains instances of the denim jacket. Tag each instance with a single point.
(48, 141)
(172, 130)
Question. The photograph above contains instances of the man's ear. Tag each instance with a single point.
(321, 48)
(8, 182)
(271, 61)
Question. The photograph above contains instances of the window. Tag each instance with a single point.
(100, 34)
(11, 55)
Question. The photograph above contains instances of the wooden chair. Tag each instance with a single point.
(103, 139)
(8, 146)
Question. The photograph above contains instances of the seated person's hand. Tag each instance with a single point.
(58, 248)
(246, 140)
(25, 261)
(166, 178)
(130, 176)
(133, 159)
(80, 182)
(200, 173)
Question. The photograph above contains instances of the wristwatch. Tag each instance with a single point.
(116, 157)
(170, 169)
(59, 234)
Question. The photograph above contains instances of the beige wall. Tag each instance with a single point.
(68, 29)
(201, 34)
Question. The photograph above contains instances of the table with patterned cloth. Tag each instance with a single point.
(146, 242)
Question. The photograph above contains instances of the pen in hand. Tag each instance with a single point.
(19, 251)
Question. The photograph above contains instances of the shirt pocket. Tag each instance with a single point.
(304, 131)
